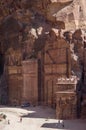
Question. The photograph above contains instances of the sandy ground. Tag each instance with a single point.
(36, 118)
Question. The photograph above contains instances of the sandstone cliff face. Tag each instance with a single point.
(72, 11)
(25, 26)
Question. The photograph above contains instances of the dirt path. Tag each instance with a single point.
(37, 118)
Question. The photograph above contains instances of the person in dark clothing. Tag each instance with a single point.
(20, 119)
(8, 121)
(63, 124)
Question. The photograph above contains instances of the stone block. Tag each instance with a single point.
(66, 105)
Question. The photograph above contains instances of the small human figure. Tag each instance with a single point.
(63, 124)
(58, 121)
(8, 121)
(20, 119)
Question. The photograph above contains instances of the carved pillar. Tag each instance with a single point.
(15, 84)
(30, 81)
(66, 98)
(66, 105)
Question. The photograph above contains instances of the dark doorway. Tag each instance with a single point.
(1, 63)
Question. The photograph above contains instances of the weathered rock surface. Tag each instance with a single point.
(26, 27)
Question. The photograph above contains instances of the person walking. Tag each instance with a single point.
(8, 121)
(20, 119)
(59, 123)
(63, 124)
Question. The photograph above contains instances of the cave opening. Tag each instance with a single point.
(3, 84)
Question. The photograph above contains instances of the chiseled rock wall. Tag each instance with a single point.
(72, 11)
(25, 24)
